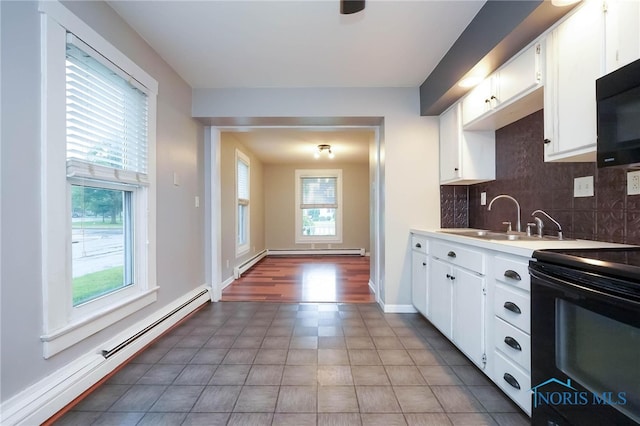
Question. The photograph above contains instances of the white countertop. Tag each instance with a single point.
(517, 247)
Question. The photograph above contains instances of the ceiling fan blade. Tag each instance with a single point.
(348, 7)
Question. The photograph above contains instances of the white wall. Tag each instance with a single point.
(180, 226)
(410, 158)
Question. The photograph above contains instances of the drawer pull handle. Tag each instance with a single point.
(511, 380)
(418, 245)
(452, 254)
(512, 307)
(424, 263)
(513, 343)
(451, 277)
(513, 275)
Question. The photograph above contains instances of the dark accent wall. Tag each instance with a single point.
(610, 215)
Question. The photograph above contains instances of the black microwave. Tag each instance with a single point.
(618, 117)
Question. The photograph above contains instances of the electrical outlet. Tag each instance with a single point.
(483, 198)
(633, 183)
(227, 263)
(583, 186)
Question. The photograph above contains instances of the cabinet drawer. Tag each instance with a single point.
(419, 243)
(513, 306)
(513, 381)
(457, 255)
(514, 272)
(512, 342)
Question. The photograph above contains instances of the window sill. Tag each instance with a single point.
(75, 332)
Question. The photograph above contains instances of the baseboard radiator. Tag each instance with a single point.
(244, 267)
(118, 347)
(312, 252)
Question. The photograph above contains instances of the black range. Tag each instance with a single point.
(585, 336)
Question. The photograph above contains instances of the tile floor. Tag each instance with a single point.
(244, 363)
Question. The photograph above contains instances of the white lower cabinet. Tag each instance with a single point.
(479, 299)
(456, 297)
(419, 268)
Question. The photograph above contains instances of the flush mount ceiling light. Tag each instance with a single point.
(321, 148)
(347, 7)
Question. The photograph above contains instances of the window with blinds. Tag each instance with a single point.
(318, 213)
(107, 118)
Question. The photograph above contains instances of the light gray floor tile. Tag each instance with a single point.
(339, 419)
(230, 375)
(367, 375)
(471, 419)
(276, 342)
(297, 399)
(195, 341)
(178, 356)
(209, 356)
(300, 375)
(265, 375)
(439, 375)
(377, 399)
(138, 398)
(427, 419)
(425, 357)
(302, 357)
(359, 342)
(364, 357)
(331, 342)
(470, 375)
(220, 342)
(417, 399)
(195, 375)
(250, 419)
(247, 342)
(410, 342)
(354, 330)
(216, 399)
(337, 399)
(102, 398)
(493, 400)
(395, 357)
(240, 356)
(162, 419)
(129, 374)
(271, 356)
(304, 342)
(511, 419)
(257, 399)
(294, 419)
(161, 374)
(255, 331)
(78, 418)
(177, 399)
(330, 330)
(453, 357)
(381, 419)
(333, 357)
(335, 375)
(387, 342)
(206, 419)
(457, 399)
(404, 375)
(119, 419)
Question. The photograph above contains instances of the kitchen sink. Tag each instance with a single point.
(496, 236)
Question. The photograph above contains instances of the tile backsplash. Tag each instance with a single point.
(610, 215)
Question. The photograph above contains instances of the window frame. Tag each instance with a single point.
(300, 238)
(64, 325)
(242, 249)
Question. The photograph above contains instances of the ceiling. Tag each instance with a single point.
(300, 43)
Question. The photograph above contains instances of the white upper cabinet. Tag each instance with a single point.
(466, 157)
(622, 32)
(508, 94)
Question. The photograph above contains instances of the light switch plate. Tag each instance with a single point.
(583, 186)
(483, 198)
(633, 183)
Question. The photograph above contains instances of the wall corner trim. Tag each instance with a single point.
(42, 400)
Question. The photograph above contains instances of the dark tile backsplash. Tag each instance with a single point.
(610, 215)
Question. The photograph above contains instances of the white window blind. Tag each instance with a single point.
(243, 182)
(107, 118)
(319, 192)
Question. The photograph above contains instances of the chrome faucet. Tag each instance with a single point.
(540, 225)
(518, 226)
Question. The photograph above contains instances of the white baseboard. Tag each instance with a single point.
(241, 269)
(226, 283)
(311, 252)
(45, 398)
(398, 309)
(372, 287)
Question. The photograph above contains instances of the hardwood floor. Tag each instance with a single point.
(337, 279)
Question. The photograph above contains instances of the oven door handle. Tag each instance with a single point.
(512, 307)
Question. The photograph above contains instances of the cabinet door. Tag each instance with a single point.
(450, 144)
(479, 100)
(575, 61)
(622, 26)
(468, 314)
(419, 281)
(440, 296)
(519, 75)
